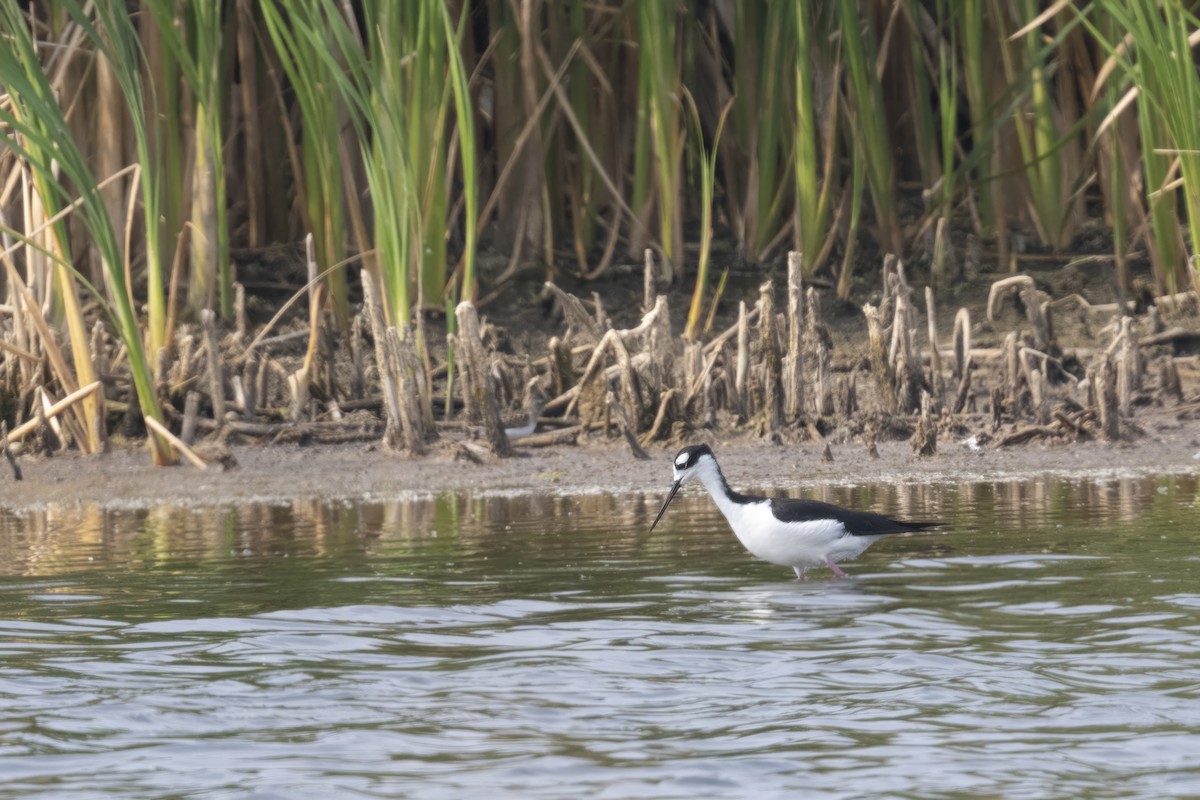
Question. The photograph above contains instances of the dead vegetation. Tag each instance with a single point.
(773, 373)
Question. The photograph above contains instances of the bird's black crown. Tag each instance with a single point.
(688, 456)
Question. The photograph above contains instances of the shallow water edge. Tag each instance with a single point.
(125, 478)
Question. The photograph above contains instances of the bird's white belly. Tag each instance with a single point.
(793, 544)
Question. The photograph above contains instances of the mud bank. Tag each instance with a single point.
(124, 478)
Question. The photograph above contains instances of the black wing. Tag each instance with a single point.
(857, 523)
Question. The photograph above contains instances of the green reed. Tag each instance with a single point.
(1161, 66)
(811, 202)
(659, 131)
(859, 53)
(193, 35)
(298, 31)
(706, 161)
(37, 131)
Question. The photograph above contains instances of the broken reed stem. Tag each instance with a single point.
(772, 396)
(1012, 370)
(477, 378)
(562, 371)
(741, 387)
(814, 345)
(1104, 383)
(239, 310)
(885, 378)
(176, 442)
(46, 414)
(660, 418)
(216, 382)
(924, 440)
(909, 379)
(580, 324)
(249, 388)
(648, 293)
(618, 410)
(936, 386)
(793, 361)
(358, 381)
(1040, 392)
(962, 344)
(373, 302)
(943, 265)
(191, 412)
(1129, 368)
(404, 364)
(962, 396)
(297, 383)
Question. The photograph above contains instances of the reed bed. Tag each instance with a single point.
(436, 153)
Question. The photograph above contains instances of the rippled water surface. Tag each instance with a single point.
(1047, 645)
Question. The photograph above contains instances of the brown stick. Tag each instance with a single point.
(655, 431)
(176, 442)
(551, 438)
(1026, 434)
(579, 322)
(626, 429)
(21, 431)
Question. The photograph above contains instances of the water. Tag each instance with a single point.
(1048, 645)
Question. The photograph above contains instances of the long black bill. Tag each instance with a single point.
(663, 510)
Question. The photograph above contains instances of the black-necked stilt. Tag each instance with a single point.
(795, 533)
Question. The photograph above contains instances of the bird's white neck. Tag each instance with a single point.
(709, 474)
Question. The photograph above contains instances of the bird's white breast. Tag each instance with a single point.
(793, 544)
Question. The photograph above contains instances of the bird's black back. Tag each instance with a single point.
(857, 523)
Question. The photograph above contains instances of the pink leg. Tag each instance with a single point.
(836, 571)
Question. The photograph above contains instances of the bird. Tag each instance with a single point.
(519, 427)
(793, 533)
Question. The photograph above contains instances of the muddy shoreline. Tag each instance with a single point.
(125, 478)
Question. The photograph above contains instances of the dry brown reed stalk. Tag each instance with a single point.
(477, 379)
(51, 412)
(818, 354)
(793, 360)
(924, 439)
(885, 377)
(214, 366)
(373, 308)
(772, 405)
(407, 372)
(176, 442)
(936, 385)
(742, 370)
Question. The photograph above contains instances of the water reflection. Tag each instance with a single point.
(1047, 645)
(68, 538)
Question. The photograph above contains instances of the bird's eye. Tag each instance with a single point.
(681, 462)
